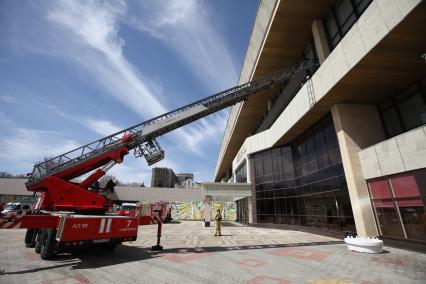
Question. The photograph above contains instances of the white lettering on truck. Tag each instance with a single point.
(80, 226)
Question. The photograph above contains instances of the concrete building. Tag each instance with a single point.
(14, 190)
(343, 146)
(184, 176)
(163, 177)
(186, 180)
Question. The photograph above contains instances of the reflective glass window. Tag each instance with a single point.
(413, 110)
(391, 122)
(306, 177)
(413, 216)
(241, 173)
(405, 186)
(388, 218)
(405, 110)
(343, 14)
(380, 189)
(400, 213)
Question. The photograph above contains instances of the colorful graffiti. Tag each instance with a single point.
(194, 210)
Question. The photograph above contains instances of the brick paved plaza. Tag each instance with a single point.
(193, 255)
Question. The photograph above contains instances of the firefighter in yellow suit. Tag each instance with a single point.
(218, 219)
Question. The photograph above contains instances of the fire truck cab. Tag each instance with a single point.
(128, 209)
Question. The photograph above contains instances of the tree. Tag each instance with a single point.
(5, 175)
(106, 178)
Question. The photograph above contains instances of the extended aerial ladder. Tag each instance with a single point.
(53, 178)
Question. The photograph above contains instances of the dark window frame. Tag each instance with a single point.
(355, 12)
(394, 102)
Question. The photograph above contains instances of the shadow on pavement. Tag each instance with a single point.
(40, 268)
(125, 254)
(232, 224)
(173, 222)
(93, 258)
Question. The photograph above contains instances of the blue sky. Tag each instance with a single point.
(75, 71)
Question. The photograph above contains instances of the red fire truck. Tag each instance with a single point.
(128, 209)
(70, 214)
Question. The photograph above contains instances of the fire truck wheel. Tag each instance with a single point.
(48, 244)
(109, 247)
(37, 247)
(30, 238)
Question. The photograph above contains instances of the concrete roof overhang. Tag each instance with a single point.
(218, 191)
(388, 68)
(289, 34)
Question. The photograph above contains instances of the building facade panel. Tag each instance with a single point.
(406, 6)
(405, 152)
(323, 81)
(372, 26)
(339, 66)
(373, 84)
(390, 12)
(390, 158)
(262, 22)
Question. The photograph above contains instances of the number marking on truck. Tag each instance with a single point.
(80, 226)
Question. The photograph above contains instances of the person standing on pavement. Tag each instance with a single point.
(218, 220)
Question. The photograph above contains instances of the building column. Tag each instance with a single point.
(252, 218)
(248, 170)
(251, 200)
(207, 210)
(358, 127)
(320, 40)
(250, 210)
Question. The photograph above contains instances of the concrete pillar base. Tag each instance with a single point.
(357, 127)
(207, 210)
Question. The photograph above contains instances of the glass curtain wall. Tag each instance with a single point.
(405, 110)
(242, 210)
(304, 183)
(340, 19)
(241, 173)
(399, 205)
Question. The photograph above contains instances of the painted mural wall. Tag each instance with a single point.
(194, 210)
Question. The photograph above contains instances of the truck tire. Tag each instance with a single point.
(48, 244)
(37, 247)
(30, 238)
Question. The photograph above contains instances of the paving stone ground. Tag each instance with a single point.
(193, 255)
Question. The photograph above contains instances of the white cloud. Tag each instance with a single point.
(24, 146)
(7, 98)
(207, 130)
(93, 27)
(103, 127)
(185, 26)
(3, 118)
(100, 126)
(87, 34)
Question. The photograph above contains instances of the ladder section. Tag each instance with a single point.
(145, 132)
